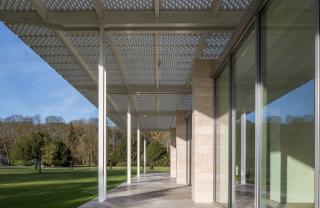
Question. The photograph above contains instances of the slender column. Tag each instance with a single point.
(173, 154)
(129, 146)
(138, 150)
(181, 148)
(102, 142)
(243, 148)
(144, 156)
(317, 106)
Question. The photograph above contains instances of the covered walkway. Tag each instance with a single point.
(151, 190)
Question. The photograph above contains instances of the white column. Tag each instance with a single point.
(243, 148)
(144, 155)
(173, 154)
(181, 148)
(102, 142)
(129, 146)
(138, 150)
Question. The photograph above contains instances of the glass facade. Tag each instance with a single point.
(288, 37)
(244, 76)
(272, 134)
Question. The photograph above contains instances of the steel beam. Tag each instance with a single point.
(74, 52)
(157, 8)
(40, 8)
(145, 113)
(127, 20)
(142, 89)
(82, 63)
(98, 7)
(216, 8)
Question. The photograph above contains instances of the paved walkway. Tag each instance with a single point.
(154, 190)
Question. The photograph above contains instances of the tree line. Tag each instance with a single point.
(28, 141)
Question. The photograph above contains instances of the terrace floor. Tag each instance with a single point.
(154, 190)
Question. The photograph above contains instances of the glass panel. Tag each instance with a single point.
(288, 31)
(244, 72)
(222, 117)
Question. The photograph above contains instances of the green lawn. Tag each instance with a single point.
(55, 187)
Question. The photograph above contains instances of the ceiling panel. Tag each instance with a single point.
(122, 102)
(138, 56)
(186, 103)
(186, 4)
(128, 4)
(177, 52)
(169, 102)
(146, 102)
(164, 122)
(216, 43)
(235, 4)
(68, 5)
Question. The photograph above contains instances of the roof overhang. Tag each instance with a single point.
(150, 48)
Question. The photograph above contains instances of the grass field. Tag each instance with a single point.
(55, 187)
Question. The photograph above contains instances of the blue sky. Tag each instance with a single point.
(297, 103)
(29, 86)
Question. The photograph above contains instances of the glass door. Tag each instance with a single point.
(244, 77)
(288, 120)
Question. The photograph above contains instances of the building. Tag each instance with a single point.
(235, 81)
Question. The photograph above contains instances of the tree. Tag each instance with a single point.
(119, 154)
(157, 154)
(29, 148)
(56, 153)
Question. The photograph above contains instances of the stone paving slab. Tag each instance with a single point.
(155, 190)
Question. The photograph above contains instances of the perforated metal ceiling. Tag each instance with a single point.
(146, 102)
(122, 102)
(128, 5)
(88, 46)
(235, 4)
(132, 59)
(165, 121)
(68, 5)
(124, 5)
(169, 102)
(16, 5)
(150, 122)
(177, 52)
(138, 54)
(216, 43)
(45, 43)
(187, 103)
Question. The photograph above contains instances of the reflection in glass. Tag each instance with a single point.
(222, 116)
(244, 73)
(287, 174)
